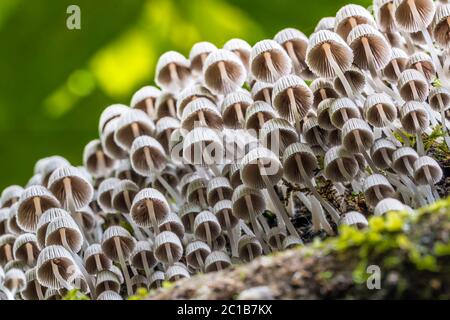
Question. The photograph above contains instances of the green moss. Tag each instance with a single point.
(75, 294)
(141, 294)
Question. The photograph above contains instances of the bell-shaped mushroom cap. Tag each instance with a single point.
(173, 71)
(241, 48)
(6, 245)
(156, 279)
(131, 124)
(166, 105)
(95, 160)
(127, 242)
(143, 250)
(20, 247)
(295, 43)
(203, 146)
(262, 91)
(106, 280)
(323, 114)
(139, 98)
(337, 158)
(354, 218)
(403, 159)
(258, 112)
(311, 131)
(72, 233)
(355, 77)
(30, 292)
(88, 220)
(164, 128)
(303, 152)
(424, 64)
(172, 222)
(52, 164)
(380, 110)
(47, 217)
(349, 17)
(275, 237)
(292, 97)
(147, 155)
(223, 210)
(82, 190)
(316, 56)
(109, 295)
(240, 208)
(232, 104)
(52, 294)
(187, 214)
(191, 93)
(389, 204)
(257, 162)
(384, 16)
(109, 144)
(201, 112)
(249, 248)
(379, 47)
(200, 229)
(414, 116)
(414, 15)
(400, 59)
(33, 202)
(35, 180)
(441, 28)
(276, 134)
(15, 280)
(110, 113)
(4, 215)
(219, 188)
(376, 187)
(290, 242)
(176, 272)
(162, 241)
(439, 98)
(269, 61)
(195, 251)
(95, 260)
(11, 224)
(198, 54)
(357, 135)
(10, 195)
(426, 171)
(217, 260)
(379, 147)
(322, 89)
(51, 257)
(104, 194)
(140, 211)
(123, 195)
(223, 72)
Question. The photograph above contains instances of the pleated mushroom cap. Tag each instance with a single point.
(15, 280)
(349, 17)
(240, 48)
(262, 91)
(384, 15)
(109, 144)
(399, 61)
(20, 247)
(11, 224)
(156, 279)
(30, 292)
(191, 93)
(342, 106)
(403, 160)
(379, 110)
(106, 279)
(145, 99)
(143, 147)
(441, 27)
(331, 164)
(355, 77)
(350, 132)
(198, 55)
(322, 89)
(354, 218)
(276, 134)
(307, 158)
(257, 162)
(379, 147)
(218, 187)
(200, 229)
(240, 208)
(269, 61)
(389, 204)
(176, 272)
(291, 92)
(291, 242)
(59, 256)
(439, 98)
(170, 239)
(295, 43)
(109, 295)
(104, 194)
(166, 105)
(198, 108)
(426, 166)
(4, 215)
(123, 195)
(376, 187)
(194, 249)
(143, 250)
(323, 114)
(52, 294)
(311, 131)
(258, 112)
(233, 103)
(172, 71)
(223, 210)
(127, 242)
(164, 128)
(82, 190)
(379, 47)
(275, 237)
(249, 248)
(203, 146)
(223, 72)
(172, 222)
(131, 124)
(95, 260)
(10, 195)
(217, 260)
(326, 23)
(52, 164)
(414, 116)
(139, 210)
(95, 160)
(187, 213)
(33, 202)
(109, 114)
(316, 57)
(422, 62)
(73, 234)
(44, 220)
(405, 18)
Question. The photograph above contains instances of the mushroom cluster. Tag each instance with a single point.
(211, 168)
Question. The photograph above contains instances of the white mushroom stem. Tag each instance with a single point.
(337, 69)
(319, 216)
(151, 213)
(270, 65)
(145, 264)
(276, 201)
(396, 68)
(98, 263)
(256, 227)
(172, 108)
(123, 265)
(209, 239)
(37, 206)
(38, 289)
(224, 74)
(233, 242)
(266, 94)
(169, 253)
(420, 147)
(30, 255)
(246, 229)
(443, 119)
(199, 259)
(173, 72)
(239, 113)
(308, 182)
(8, 252)
(291, 53)
(431, 184)
(59, 277)
(101, 162)
(149, 107)
(293, 108)
(251, 256)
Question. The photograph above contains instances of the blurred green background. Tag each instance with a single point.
(55, 82)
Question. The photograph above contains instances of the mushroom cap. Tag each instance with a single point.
(188, 210)
(110, 113)
(441, 28)
(240, 208)
(401, 59)
(139, 211)
(354, 218)
(91, 153)
(118, 198)
(229, 113)
(127, 242)
(191, 93)
(251, 115)
(402, 155)
(355, 77)
(15, 280)
(331, 168)
(73, 234)
(19, 247)
(308, 160)
(109, 295)
(407, 21)
(322, 89)
(170, 239)
(105, 192)
(255, 162)
(166, 105)
(216, 258)
(206, 220)
(139, 97)
(373, 182)
(388, 205)
(338, 106)
(349, 131)
(197, 52)
(176, 272)
(241, 48)
(376, 152)
(223, 210)
(172, 223)
(372, 107)
(191, 114)
(276, 134)
(109, 144)
(203, 146)
(437, 95)
(124, 135)
(413, 109)
(258, 65)
(138, 157)
(219, 188)
(426, 166)
(351, 11)
(106, 279)
(143, 250)
(90, 254)
(247, 244)
(326, 23)
(9, 195)
(317, 59)
(163, 76)
(195, 248)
